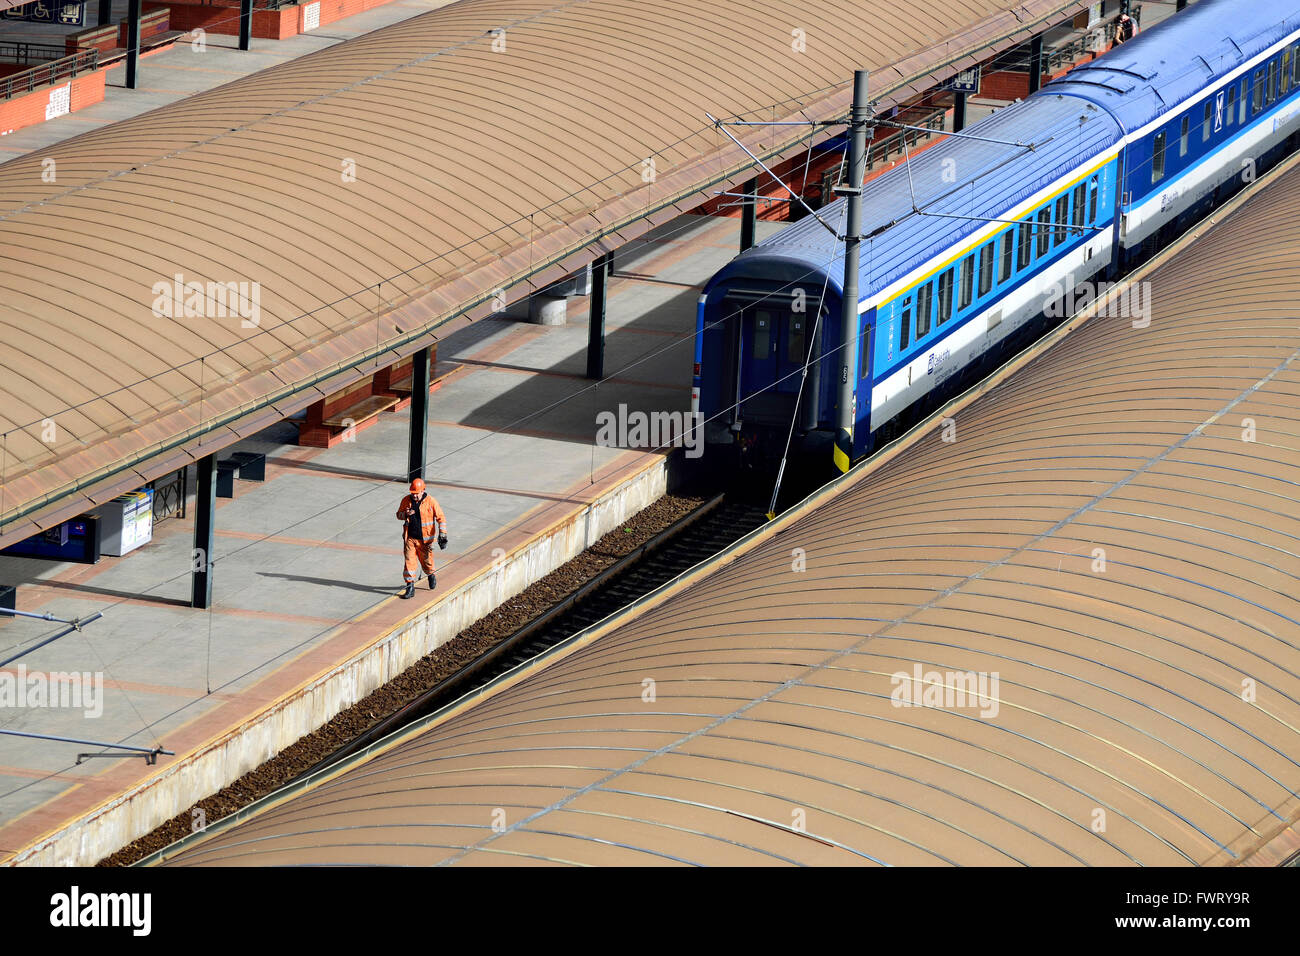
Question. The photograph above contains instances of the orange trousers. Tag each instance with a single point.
(419, 554)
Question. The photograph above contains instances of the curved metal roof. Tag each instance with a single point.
(1114, 534)
(375, 190)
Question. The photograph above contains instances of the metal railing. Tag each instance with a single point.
(257, 4)
(20, 51)
(47, 74)
(1054, 59)
(879, 150)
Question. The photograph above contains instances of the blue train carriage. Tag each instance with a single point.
(1208, 99)
(1002, 230)
(939, 288)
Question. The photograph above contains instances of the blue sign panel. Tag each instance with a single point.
(967, 81)
(70, 13)
(77, 541)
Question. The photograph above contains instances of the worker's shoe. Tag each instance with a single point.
(433, 582)
(409, 592)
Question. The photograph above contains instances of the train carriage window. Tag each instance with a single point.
(1286, 72)
(1182, 136)
(905, 334)
(945, 297)
(1080, 193)
(864, 351)
(1158, 158)
(1062, 217)
(986, 267)
(1242, 100)
(967, 281)
(1230, 113)
(797, 339)
(762, 333)
(1208, 124)
(1295, 64)
(1044, 230)
(1026, 244)
(1273, 81)
(1257, 93)
(924, 296)
(1093, 190)
(1008, 250)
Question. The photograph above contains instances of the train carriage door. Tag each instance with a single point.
(761, 340)
(793, 330)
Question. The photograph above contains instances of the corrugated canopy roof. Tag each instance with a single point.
(359, 197)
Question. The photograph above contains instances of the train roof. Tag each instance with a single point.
(1172, 62)
(991, 179)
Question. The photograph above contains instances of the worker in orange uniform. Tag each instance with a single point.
(421, 517)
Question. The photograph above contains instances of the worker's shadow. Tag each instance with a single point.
(330, 582)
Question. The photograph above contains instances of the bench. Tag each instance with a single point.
(440, 370)
(252, 465)
(244, 465)
(372, 406)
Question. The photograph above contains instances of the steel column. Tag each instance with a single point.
(849, 344)
(105, 12)
(419, 444)
(1036, 64)
(205, 507)
(600, 270)
(749, 214)
(959, 111)
(245, 24)
(132, 41)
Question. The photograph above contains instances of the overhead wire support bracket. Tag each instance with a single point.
(893, 124)
(39, 617)
(150, 754)
(777, 179)
(918, 211)
(834, 122)
(74, 625)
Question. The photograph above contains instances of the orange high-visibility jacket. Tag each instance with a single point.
(430, 514)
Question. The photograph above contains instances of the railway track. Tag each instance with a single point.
(679, 547)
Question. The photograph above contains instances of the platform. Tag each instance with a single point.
(308, 562)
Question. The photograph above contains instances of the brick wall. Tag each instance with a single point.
(223, 17)
(1008, 85)
(31, 108)
(152, 23)
(101, 38)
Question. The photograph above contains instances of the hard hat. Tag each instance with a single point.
(417, 486)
